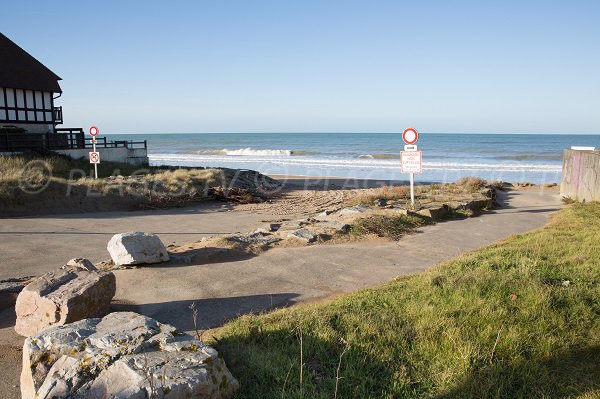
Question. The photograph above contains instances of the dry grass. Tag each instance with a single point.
(387, 193)
(465, 189)
(159, 189)
(47, 183)
(392, 227)
(471, 183)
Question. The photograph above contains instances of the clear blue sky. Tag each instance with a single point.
(345, 66)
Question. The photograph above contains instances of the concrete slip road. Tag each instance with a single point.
(284, 276)
(279, 277)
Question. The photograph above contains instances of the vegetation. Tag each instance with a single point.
(518, 319)
(465, 189)
(392, 227)
(471, 183)
(387, 193)
(38, 183)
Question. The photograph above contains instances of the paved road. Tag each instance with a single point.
(32, 246)
(221, 291)
(284, 276)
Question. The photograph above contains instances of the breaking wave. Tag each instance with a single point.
(380, 156)
(531, 157)
(279, 158)
(252, 152)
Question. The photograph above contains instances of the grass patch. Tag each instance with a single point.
(518, 319)
(392, 227)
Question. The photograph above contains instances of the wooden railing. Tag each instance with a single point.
(101, 142)
(63, 139)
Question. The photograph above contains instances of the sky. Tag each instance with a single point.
(318, 66)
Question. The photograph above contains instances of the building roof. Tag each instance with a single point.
(19, 70)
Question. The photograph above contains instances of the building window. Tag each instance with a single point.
(25, 106)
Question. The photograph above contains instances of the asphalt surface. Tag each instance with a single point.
(284, 276)
(221, 291)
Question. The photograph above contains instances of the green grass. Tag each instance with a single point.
(518, 319)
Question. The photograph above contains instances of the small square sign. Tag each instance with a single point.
(411, 161)
(94, 157)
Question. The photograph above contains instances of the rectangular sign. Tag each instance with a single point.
(410, 161)
(94, 157)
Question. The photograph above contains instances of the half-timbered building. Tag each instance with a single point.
(29, 115)
(28, 90)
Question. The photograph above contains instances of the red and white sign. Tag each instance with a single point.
(94, 131)
(410, 136)
(94, 157)
(411, 161)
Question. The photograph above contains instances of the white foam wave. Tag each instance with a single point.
(254, 152)
(183, 159)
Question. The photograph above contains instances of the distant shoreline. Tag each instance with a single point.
(398, 133)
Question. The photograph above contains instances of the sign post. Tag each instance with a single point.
(411, 159)
(94, 155)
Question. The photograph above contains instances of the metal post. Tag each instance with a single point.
(95, 165)
(412, 189)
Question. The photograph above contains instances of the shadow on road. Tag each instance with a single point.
(212, 312)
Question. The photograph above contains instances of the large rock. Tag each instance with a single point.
(73, 292)
(136, 248)
(123, 355)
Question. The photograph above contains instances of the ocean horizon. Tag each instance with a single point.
(447, 157)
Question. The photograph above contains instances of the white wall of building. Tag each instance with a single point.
(132, 156)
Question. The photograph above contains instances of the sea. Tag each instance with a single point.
(447, 157)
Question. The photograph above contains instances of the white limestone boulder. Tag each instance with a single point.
(73, 292)
(123, 355)
(136, 248)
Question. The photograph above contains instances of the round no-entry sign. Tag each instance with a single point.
(94, 131)
(410, 136)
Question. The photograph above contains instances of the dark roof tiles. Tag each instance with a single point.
(19, 70)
